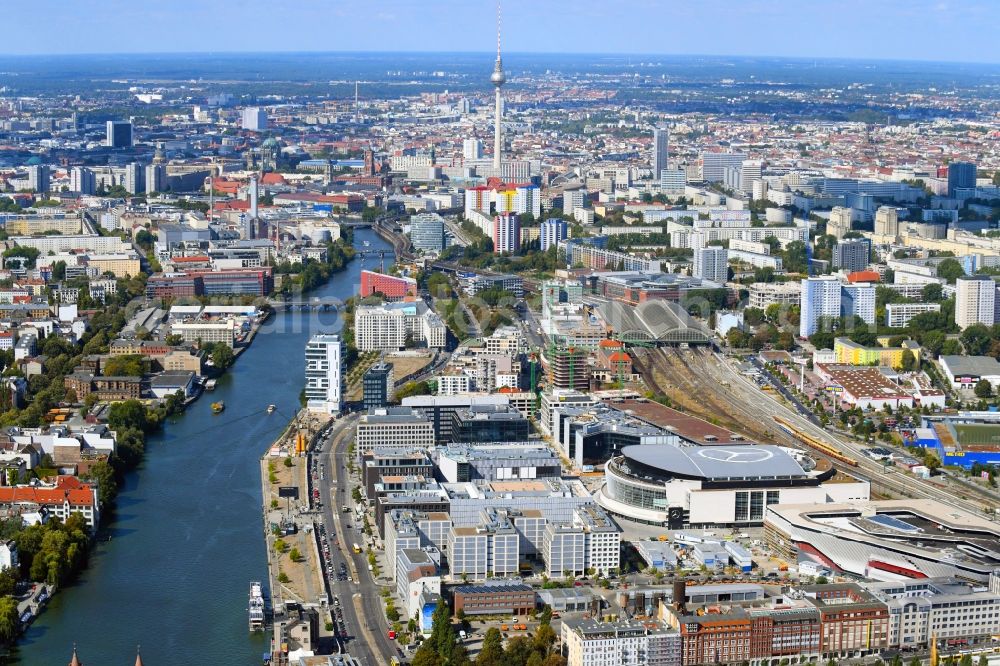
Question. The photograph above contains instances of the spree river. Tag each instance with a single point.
(187, 537)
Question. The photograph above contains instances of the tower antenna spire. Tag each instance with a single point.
(498, 78)
(498, 30)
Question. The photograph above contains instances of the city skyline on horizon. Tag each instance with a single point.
(958, 31)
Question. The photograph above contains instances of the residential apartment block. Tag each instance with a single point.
(589, 642)
(392, 326)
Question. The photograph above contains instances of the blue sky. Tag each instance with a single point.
(955, 30)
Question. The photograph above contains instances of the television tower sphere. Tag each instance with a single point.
(498, 78)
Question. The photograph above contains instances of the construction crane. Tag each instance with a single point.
(533, 386)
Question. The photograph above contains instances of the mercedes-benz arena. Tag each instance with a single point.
(716, 486)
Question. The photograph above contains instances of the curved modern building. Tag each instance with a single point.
(716, 486)
(887, 540)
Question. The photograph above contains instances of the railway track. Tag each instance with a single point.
(705, 386)
(706, 397)
(695, 375)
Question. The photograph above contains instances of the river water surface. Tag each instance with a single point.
(187, 539)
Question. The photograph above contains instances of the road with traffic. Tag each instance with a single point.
(357, 596)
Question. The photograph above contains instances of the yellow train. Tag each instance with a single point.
(814, 443)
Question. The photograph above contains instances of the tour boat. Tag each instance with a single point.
(255, 607)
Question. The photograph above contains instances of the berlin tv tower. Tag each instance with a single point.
(498, 78)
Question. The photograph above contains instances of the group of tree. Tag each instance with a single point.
(950, 270)
(220, 354)
(115, 192)
(8, 205)
(436, 284)
(133, 421)
(53, 552)
(737, 338)
(413, 388)
(795, 257)
(703, 302)
(981, 340)
(29, 254)
(775, 327)
(479, 254)
(442, 648)
(456, 319)
(126, 365)
(764, 274)
(496, 296)
(305, 276)
(349, 352)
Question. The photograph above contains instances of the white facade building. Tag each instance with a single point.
(8, 555)
(587, 642)
(975, 300)
(454, 383)
(591, 541)
(528, 199)
(388, 326)
(468, 552)
(324, 374)
(82, 180)
(712, 263)
(573, 199)
(714, 165)
(552, 231)
(750, 172)
(898, 315)
(254, 119)
(858, 299)
(673, 182)
(472, 149)
(506, 233)
(839, 223)
(936, 608)
(820, 298)
(202, 333)
(38, 178)
(396, 427)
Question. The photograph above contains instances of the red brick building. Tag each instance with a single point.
(715, 638)
(854, 622)
(392, 287)
(105, 388)
(173, 285)
(494, 599)
(613, 357)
